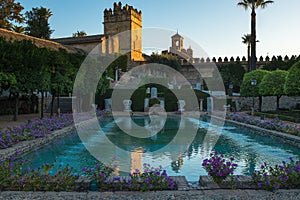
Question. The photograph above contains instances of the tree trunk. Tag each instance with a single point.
(277, 104)
(249, 59)
(253, 39)
(52, 104)
(42, 106)
(16, 107)
(259, 103)
(58, 107)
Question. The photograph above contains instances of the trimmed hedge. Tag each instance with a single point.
(140, 94)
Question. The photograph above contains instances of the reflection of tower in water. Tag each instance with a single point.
(136, 160)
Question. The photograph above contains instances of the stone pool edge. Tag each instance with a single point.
(285, 137)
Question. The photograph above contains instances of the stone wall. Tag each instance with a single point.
(268, 103)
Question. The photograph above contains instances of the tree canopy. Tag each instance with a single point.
(232, 73)
(37, 22)
(247, 88)
(10, 12)
(273, 83)
(292, 84)
(165, 59)
(79, 34)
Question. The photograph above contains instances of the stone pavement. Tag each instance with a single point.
(7, 120)
(159, 195)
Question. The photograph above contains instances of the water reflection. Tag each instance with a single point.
(249, 149)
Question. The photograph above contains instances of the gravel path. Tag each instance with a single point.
(160, 195)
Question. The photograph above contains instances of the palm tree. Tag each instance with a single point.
(18, 29)
(247, 40)
(253, 5)
(79, 34)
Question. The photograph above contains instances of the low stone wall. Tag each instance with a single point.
(268, 103)
(284, 137)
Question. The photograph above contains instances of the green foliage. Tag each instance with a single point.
(246, 87)
(273, 83)
(232, 73)
(6, 80)
(165, 59)
(120, 62)
(281, 64)
(29, 68)
(10, 12)
(171, 100)
(138, 99)
(37, 22)
(285, 176)
(16, 175)
(292, 85)
(79, 34)
(153, 102)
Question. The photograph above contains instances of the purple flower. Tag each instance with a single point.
(84, 169)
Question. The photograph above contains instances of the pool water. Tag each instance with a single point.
(249, 149)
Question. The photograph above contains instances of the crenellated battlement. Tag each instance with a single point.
(227, 60)
(121, 13)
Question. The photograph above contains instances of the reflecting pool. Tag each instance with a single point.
(249, 149)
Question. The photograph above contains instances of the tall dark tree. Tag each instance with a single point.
(10, 12)
(37, 22)
(253, 5)
(247, 40)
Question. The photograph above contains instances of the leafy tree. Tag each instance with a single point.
(253, 5)
(273, 85)
(247, 40)
(247, 89)
(281, 64)
(232, 74)
(18, 29)
(119, 63)
(165, 59)
(6, 80)
(292, 84)
(37, 22)
(10, 12)
(79, 34)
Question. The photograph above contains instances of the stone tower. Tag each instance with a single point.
(177, 42)
(127, 19)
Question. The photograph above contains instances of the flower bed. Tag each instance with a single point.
(286, 176)
(16, 175)
(150, 179)
(272, 124)
(36, 128)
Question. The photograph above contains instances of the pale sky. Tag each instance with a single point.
(216, 25)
